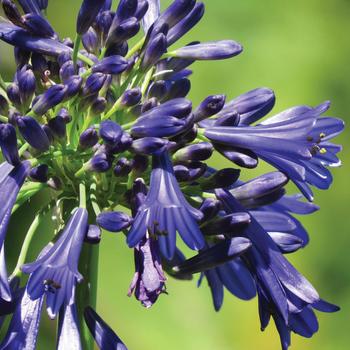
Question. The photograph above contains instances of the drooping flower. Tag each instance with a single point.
(166, 211)
(55, 273)
(283, 291)
(149, 279)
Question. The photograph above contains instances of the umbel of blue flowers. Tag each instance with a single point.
(97, 123)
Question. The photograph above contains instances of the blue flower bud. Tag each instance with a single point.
(187, 136)
(142, 8)
(67, 70)
(8, 143)
(88, 138)
(58, 127)
(11, 11)
(26, 84)
(168, 126)
(87, 14)
(214, 50)
(99, 106)
(13, 94)
(73, 85)
(149, 104)
(93, 235)
(210, 208)
(100, 163)
(114, 221)
(209, 107)
(178, 88)
(175, 12)
(40, 173)
(182, 173)
(158, 89)
(178, 108)
(122, 31)
(196, 152)
(64, 57)
(131, 97)
(49, 99)
(123, 145)
(126, 9)
(103, 23)
(251, 106)
(110, 132)
(111, 65)
(186, 24)
(154, 51)
(221, 179)
(38, 25)
(33, 133)
(119, 49)
(64, 114)
(123, 167)
(197, 170)
(149, 145)
(94, 84)
(91, 41)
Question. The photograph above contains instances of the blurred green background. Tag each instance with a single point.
(301, 50)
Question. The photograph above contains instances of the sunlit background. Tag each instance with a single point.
(300, 49)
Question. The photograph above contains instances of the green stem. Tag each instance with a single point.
(87, 291)
(136, 48)
(3, 85)
(128, 126)
(27, 241)
(82, 195)
(76, 49)
(113, 110)
(3, 119)
(23, 149)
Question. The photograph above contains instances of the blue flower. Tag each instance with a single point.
(24, 326)
(149, 279)
(283, 291)
(11, 181)
(166, 211)
(55, 273)
(292, 141)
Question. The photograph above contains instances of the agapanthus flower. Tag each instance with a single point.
(55, 273)
(166, 211)
(103, 128)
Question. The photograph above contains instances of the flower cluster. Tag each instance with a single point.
(96, 123)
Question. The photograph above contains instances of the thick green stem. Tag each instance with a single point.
(87, 291)
(82, 195)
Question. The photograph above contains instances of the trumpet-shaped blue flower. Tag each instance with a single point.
(166, 211)
(55, 273)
